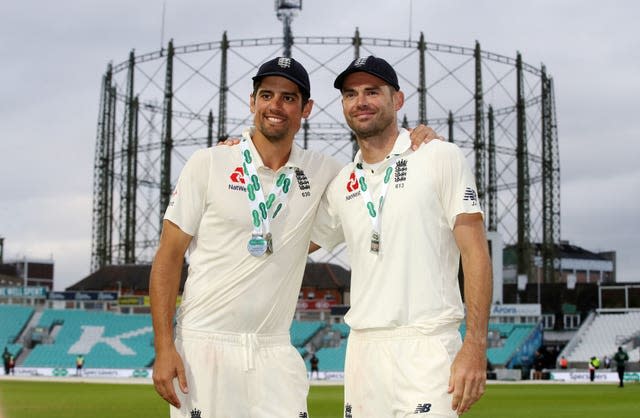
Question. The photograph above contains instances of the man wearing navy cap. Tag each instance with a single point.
(245, 214)
(407, 218)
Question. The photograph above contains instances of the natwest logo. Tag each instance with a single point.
(237, 176)
(352, 184)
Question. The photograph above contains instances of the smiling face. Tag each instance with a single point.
(370, 105)
(278, 108)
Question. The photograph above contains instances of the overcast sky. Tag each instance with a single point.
(54, 53)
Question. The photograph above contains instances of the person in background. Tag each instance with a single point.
(79, 364)
(606, 362)
(407, 217)
(12, 365)
(621, 357)
(538, 364)
(6, 355)
(564, 363)
(594, 363)
(314, 365)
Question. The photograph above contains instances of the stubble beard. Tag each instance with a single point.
(369, 130)
(273, 135)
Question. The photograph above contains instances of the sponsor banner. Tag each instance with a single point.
(583, 376)
(24, 292)
(131, 300)
(337, 376)
(71, 372)
(140, 301)
(522, 309)
(84, 296)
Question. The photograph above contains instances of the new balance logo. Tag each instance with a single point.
(422, 408)
(470, 194)
(196, 413)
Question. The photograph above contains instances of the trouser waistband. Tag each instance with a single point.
(403, 332)
(250, 342)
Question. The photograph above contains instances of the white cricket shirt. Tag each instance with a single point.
(227, 289)
(413, 280)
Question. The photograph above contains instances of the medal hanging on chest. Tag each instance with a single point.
(263, 211)
(374, 213)
(257, 245)
(375, 242)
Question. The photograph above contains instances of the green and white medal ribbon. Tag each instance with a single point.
(262, 211)
(375, 212)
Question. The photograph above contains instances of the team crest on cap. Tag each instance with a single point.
(196, 413)
(360, 62)
(284, 62)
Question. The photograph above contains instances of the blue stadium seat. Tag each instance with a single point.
(303, 331)
(331, 359)
(13, 320)
(105, 339)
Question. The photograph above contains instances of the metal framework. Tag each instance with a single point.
(499, 109)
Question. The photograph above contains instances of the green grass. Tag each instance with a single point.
(24, 399)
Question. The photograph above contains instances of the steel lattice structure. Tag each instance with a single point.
(157, 108)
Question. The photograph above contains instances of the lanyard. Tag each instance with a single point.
(262, 211)
(375, 213)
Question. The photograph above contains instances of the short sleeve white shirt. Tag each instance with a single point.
(227, 289)
(413, 280)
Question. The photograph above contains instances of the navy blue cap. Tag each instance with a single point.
(287, 68)
(372, 65)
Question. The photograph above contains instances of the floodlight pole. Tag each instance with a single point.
(286, 11)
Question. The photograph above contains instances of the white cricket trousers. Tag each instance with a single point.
(400, 372)
(233, 375)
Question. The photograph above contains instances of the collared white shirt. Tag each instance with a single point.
(227, 289)
(413, 280)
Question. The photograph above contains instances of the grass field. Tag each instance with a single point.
(25, 399)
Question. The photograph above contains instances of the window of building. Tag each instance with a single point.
(571, 321)
(548, 321)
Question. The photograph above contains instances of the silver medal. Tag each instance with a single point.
(269, 243)
(257, 245)
(375, 242)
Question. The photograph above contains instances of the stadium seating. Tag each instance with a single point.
(512, 337)
(107, 340)
(13, 320)
(341, 328)
(331, 359)
(110, 340)
(303, 331)
(603, 335)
